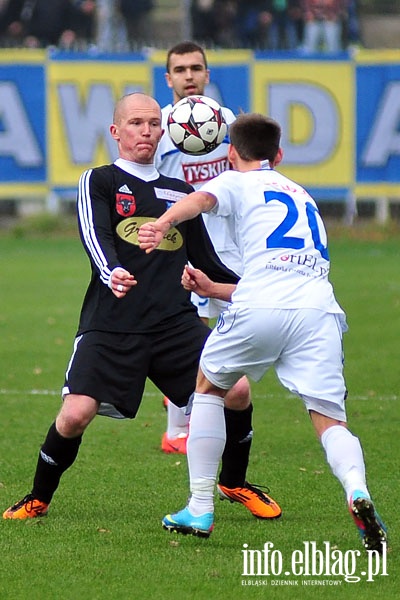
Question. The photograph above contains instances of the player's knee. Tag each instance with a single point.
(75, 415)
(238, 397)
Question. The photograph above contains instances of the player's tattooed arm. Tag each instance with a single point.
(151, 234)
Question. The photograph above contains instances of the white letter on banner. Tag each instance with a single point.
(323, 110)
(385, 137)
(86, 124)
(16, 136)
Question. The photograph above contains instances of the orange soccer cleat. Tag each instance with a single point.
(27, 508)
(174, 445)
(253, 498)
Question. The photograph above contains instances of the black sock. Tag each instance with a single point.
(56, 455)
(235, 458)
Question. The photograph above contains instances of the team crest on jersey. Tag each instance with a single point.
(125, 204)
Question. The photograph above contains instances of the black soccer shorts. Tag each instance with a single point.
(112, 367)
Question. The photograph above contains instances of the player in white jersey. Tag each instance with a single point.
(197, 170)
(283, 314)
(187, 74)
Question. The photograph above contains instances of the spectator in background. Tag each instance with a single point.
(225, 17)
(323, 22)
(123, 25)
(110, 29)
(283, 31)
(214, 22)
(202, 17)
(351, 26)
(41, 23)
(138, 19)
(5, 19)
(85, 21)
(253, 22)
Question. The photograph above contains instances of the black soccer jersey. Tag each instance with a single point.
(112, 205)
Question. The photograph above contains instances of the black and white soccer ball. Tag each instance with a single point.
(196, 125)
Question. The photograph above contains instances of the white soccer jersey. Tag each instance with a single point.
(196, 170)
(281, 237)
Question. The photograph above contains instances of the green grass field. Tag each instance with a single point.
(102, 538)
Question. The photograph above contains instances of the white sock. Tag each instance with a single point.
(177, 421)
(345, 457)
(205, 446)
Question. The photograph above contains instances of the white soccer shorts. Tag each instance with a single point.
(303, 345)
(209, 308)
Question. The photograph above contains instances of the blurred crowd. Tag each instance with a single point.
(43, 23)
(306, 25)
(118, 25)
(75, 24)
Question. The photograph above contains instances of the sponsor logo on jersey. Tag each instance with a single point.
(201, 172)
(128, 230)
(125, 204)
(169, 195)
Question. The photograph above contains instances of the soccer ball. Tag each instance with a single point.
(196, 125)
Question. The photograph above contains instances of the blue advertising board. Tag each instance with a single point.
(340, 118)
(23, 123)
(378, 123)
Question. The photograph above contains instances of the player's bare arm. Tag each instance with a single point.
(121, 281)
(194, 280)
(151, 234)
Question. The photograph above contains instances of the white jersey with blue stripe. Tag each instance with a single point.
(281, 237)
